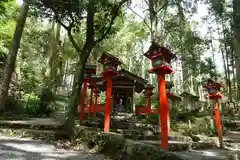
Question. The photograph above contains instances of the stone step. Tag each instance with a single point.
(34, 133)
(138, 135)
(36, 123)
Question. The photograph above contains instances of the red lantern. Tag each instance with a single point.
(148, 90)
(89, 71)
(213, 89)
(161, 58)
(110, 66)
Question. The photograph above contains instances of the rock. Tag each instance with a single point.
(114, 145)
(203, 145)
(135, 151)
(179, 138)
(148, 133)
(195, 138)
(111, 144)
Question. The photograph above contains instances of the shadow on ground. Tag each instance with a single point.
(23, 149)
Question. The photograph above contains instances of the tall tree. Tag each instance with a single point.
(236, 24)
(99, 16)
(12, 55)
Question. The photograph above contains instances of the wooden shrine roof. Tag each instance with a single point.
(125, 82)
(189, 95)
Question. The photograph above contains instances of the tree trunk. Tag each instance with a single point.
(236, 21)
(79, 72)
(12, 55)
(73, 100)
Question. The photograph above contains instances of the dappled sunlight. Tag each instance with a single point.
(24, 149)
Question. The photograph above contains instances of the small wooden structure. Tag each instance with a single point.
(124, 86)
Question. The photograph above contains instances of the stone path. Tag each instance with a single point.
(210, 154)
(26, 149)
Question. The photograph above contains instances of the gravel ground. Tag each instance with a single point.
(25, 149)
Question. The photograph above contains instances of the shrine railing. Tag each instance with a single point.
(142, 110)
(95, 108)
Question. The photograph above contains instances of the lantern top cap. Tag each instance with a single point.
(108, 58)
(94, 76)
(212, 82)
(163, 50)
(148, 86)
(90, 68)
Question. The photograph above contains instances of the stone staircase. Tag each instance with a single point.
(131, 128)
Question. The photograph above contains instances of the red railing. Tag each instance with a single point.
(142, 110)
(95, 108)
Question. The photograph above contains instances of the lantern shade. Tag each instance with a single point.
(110, 64)
(155, 51)
(212, 84)
(157, 61)
(89, 70)
(212, 90)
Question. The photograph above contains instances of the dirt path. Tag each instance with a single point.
(26, 149)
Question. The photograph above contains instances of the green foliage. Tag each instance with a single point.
(8, 12)
(71, 15)
(200, 125)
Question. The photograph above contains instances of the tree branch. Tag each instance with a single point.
(75, 45)
(165, 5)
(62, 24)
(144, 21)
(114, 16)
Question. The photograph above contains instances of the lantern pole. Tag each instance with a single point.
(108, 105)
(90, 103)
(218, 123)
(95, 104)
(148, 105)
(83, 99)
(163, 111)
(161, 58)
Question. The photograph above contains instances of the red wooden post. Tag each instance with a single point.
(164, 110)
(88, 72)
(95, 104)
(90, 103)
(110, 65)
(84, 91)
(161, 58)
(218, 124)
(148, 93)
(214, 94)
(148, 104)
(108, 105)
